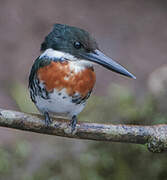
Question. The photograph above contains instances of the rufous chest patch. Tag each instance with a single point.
(59, 75)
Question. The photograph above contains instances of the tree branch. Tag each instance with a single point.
(154, 136)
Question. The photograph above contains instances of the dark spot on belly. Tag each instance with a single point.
(64, 97)
(59, 94)
(91, 68)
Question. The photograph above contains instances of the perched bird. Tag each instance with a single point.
(62, 77)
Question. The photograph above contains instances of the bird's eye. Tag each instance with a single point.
(77, 45)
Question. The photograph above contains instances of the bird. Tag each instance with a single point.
(62, 78)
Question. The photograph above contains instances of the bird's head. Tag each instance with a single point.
(76, 44)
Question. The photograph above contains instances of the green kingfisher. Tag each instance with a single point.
(62, 77)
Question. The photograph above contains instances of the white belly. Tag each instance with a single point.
(59, 104)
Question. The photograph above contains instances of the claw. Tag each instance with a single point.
(73, 123)
(48, 120)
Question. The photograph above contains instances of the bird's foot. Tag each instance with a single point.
(48, 120)
(73, 123)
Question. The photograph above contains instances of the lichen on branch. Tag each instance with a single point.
(155, 136)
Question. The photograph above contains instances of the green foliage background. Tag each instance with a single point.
(94, 160)
(132, 32)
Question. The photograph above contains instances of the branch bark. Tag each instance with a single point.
(155, 136)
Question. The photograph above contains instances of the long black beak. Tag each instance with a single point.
(99, 58)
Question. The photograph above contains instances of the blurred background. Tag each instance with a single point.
(132, 32)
